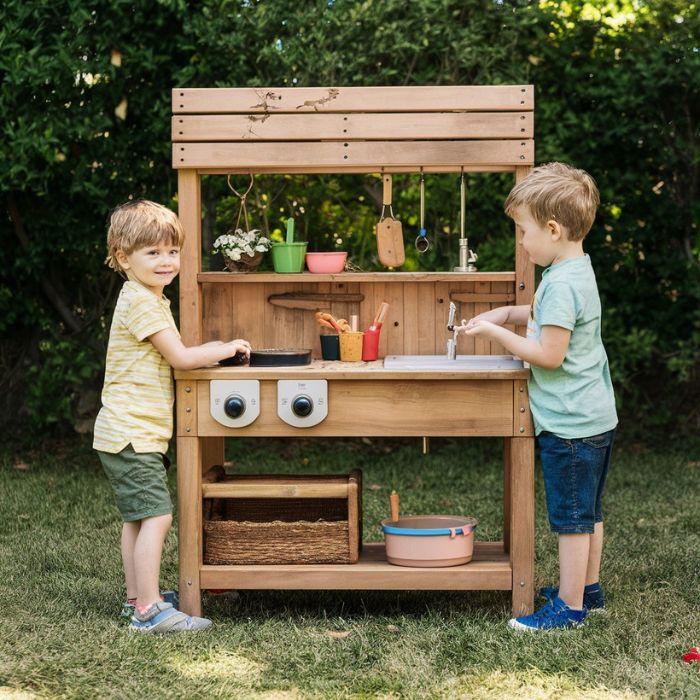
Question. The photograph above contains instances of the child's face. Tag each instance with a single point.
(539, 242)
(155, 266)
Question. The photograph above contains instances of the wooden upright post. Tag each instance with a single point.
(189, 522)
(522, 521)
(189, 200)
(524, 267)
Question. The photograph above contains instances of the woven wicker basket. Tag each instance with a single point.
(277, 542)
(247, 263)
(284, 530)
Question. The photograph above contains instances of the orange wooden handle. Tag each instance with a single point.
(394, 503)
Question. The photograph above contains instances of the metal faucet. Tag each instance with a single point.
(467, 257)
(452, 342)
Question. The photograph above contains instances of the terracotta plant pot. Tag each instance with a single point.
(247, 263)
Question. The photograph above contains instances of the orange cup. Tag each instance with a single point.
(351, 346)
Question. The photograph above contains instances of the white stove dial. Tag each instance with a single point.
(302, 403)
(234, 403)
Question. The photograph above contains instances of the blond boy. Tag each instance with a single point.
(135, 422)
(571, 395)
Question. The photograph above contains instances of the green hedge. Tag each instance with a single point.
(85, 114)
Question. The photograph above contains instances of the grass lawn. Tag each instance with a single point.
(61, 590)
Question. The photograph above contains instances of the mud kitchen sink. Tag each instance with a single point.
(464, 363)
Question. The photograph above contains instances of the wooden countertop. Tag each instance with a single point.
(326, 369)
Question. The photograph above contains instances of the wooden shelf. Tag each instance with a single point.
(350, 277)
(490, 569)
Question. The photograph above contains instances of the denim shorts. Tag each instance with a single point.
(139, 483)
(574, 478)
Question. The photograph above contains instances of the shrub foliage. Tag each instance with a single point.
(85, 107)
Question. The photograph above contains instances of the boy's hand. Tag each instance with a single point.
(477, 326)
(239, 345)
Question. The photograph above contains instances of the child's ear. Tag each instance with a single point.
(122, 259)
(555, 230)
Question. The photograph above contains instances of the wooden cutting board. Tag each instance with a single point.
(389, 232)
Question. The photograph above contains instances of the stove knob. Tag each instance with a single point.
(302, 406)
(234, 406)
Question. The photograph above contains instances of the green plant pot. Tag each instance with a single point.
(288, 257)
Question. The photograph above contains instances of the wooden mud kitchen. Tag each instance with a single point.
(480, 392)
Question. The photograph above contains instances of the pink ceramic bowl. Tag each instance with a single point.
(326, 263)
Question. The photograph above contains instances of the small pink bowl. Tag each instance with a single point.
(326, 263)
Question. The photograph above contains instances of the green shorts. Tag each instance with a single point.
(139, 483)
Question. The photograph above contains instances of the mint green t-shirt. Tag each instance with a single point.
(575, 400)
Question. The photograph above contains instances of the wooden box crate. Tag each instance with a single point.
(283, 519)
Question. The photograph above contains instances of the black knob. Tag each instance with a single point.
(234, 406)
(302, 406)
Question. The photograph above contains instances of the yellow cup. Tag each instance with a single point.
(351, 346)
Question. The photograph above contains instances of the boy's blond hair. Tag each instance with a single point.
(557, 191)
(138, 224)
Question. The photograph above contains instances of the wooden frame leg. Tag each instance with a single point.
(522, 521)
(506, 494)
(189, 522)
(194, 456)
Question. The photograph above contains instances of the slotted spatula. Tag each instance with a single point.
(389, 232)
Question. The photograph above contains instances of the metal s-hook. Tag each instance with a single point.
(422, 243)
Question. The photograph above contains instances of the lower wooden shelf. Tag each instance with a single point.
(489, 569)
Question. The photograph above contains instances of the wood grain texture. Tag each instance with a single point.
(349, 127)
(275, 100)
(488, 570)
(522, 522)
(299, 156)
(189, 201)
(189, 522)
(385, 408)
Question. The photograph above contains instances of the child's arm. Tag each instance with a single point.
(547, 352)
(504, 315)
(181, 357)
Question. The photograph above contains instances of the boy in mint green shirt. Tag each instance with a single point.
(571, 395)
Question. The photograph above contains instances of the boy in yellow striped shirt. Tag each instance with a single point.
(135, 422)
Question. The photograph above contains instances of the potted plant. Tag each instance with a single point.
(242, 250)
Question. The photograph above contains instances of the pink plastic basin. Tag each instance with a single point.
(429, 540)
(326, 263)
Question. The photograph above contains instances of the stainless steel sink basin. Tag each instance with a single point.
(461, 363)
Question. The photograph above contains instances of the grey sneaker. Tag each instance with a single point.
(163, 618)
(128, 609)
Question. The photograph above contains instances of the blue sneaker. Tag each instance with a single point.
(163, 618)
(593, 598)
(555, 614)
(128, 609)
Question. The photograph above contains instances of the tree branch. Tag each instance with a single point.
(58, 303)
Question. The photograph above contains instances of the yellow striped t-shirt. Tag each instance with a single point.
(137, 397)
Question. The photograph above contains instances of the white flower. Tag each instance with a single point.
(235, 244)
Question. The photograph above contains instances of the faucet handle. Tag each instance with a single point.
(451, 317)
